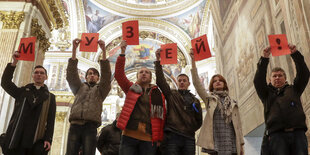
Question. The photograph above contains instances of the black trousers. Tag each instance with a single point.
(37, 149)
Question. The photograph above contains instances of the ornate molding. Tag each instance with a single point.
(11, 19)
(154, 10)
(52, 11)
(60, 116)
(37, 31)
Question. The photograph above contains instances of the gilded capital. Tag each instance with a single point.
(11, 19)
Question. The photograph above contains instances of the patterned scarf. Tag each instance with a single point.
(155, 98)
(224, 105)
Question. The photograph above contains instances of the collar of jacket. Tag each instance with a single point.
(183, 92)
(278, 90)
(139, 90)
(33, 87)
(90, 85)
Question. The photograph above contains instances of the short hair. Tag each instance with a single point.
(221, 79)
(94, 70)
(182, 74)
(277, 69)
(147, 69)
(39, 66)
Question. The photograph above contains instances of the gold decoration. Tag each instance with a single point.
(37, 31)
(56, 14)
(52, 11)
(60, 116)
(62, 39)
(12, 19)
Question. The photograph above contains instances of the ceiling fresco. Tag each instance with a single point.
(171, 21)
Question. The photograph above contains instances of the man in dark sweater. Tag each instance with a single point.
(283, 111)
(31, 126)
(184, 115)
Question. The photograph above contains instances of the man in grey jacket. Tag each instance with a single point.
(86, 110)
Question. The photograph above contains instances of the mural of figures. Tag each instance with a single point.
(96, 18)
(143, 55)
(137, 55)
(144, 51)
(190, 21)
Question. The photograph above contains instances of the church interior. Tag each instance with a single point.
(237, 32)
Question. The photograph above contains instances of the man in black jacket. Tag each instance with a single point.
(109, 139)
(283, 111)
(31, 127)
(184, 115)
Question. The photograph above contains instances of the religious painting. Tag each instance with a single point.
(96, 17)
(143, 55)
(190, 21)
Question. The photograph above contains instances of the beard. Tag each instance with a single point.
(92, 83)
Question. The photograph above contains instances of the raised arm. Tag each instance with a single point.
(105, 80)
(6, 80)
(302, 71)
(260, 82)
(72, 71)
(119, 75)
(160, 78)
(196, 81)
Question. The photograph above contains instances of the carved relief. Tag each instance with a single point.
(245, 69)
(61, 39)
(60, 116)
(37, 31)
(12, 19)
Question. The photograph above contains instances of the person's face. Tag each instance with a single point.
(39, 76)
(92, 77)
(144, 76)
(183, 83)
(278, 79)
(218, 85)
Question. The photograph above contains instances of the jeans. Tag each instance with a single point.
(82, 137)
(288, 143)
(175, 144)
(132, 146)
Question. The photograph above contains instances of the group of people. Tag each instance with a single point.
(156, 119)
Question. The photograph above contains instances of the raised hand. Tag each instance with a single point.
(158, 54)
(266, 52)
(123, 46)
(15, 56)
(102, 46)
(75, 44)
(193, 58)
(292, 48)
(192, 53)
